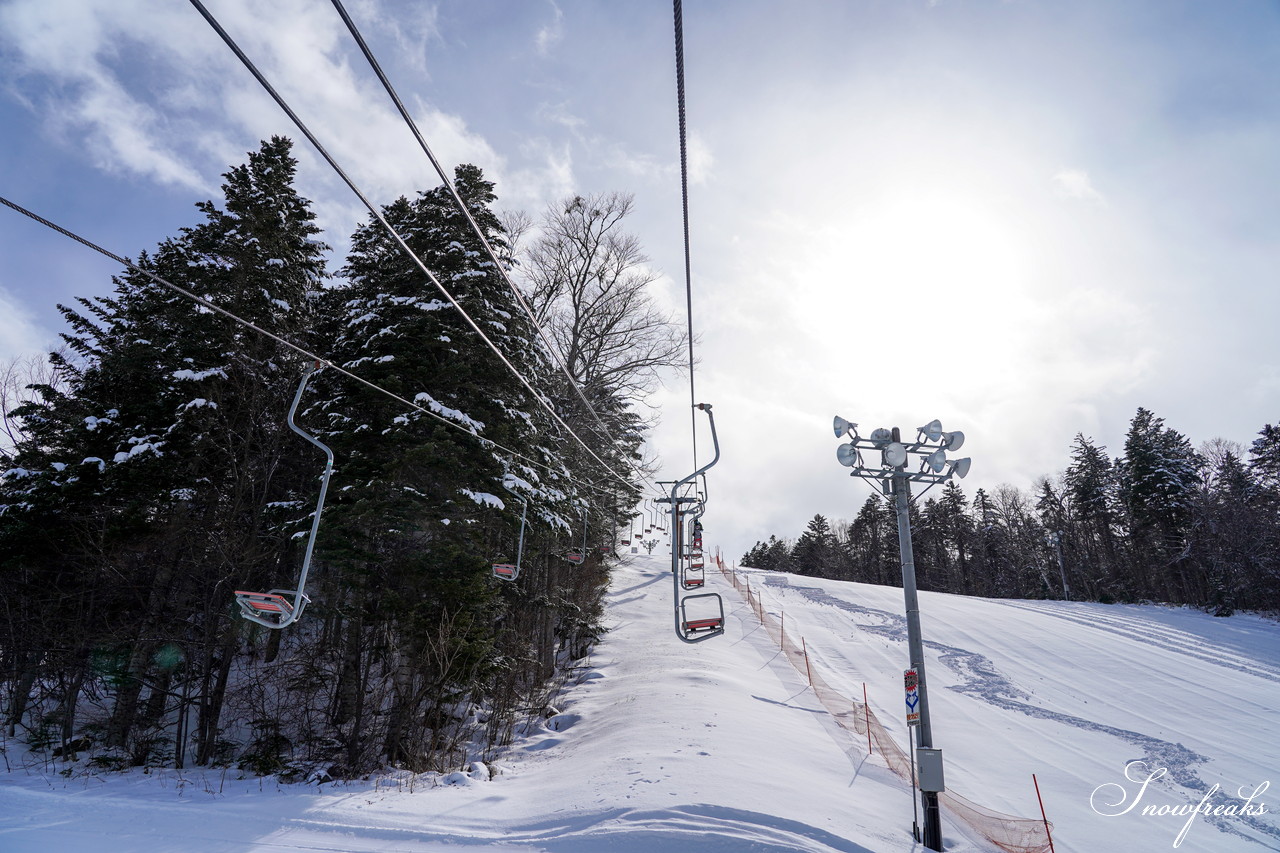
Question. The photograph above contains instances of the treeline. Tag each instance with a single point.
(151, 473)
(1162, 522)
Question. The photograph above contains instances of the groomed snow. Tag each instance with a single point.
(661, 746)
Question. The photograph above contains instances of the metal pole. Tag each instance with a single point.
(924, 734)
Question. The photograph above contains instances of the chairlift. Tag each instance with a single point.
(694, 577)
(509, 571)
(578, 556)
(275, 609)
(706, 623)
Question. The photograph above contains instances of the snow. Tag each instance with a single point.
(198, 375)
(656, 746)
(484, 498)
(439, 408)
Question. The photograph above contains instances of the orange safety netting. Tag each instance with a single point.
(1009, 833)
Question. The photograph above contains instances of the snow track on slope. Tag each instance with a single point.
(981, 678)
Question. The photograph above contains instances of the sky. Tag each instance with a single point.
(1025, 218)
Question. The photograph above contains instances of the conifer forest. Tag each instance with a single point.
(1161, 522)
(150, 473)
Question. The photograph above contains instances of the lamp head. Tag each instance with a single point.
(960, 467)
(895, 454)
(952, 440)
(843, 428)
(881, 436)
(937, 460)
(848, 456)
(932, 430)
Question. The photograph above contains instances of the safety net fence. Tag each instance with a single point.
(1007, 832)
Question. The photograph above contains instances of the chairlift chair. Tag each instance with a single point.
(509, 571)
(705, 623)
(694, 577)
(707, 620)
(281, 607)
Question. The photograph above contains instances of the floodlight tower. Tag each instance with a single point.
(931, 446)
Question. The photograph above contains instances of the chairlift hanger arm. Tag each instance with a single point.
(686, 629)
(273, 609)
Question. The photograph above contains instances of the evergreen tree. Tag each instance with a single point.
(1091, 493)
(147, 470)
(1158, 477)
(815, 551)
(873, 543)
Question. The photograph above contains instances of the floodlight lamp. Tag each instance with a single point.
(895, 454)
(960, 467)
(881, 436)
(847, 455)
(952, 440)
(932, 430)
(843, 428)
(937, 460)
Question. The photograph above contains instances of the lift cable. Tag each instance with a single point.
(377, 214)
(462, 206)
(684, 201)
(200, 300)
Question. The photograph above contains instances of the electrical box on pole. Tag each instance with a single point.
(929, 761)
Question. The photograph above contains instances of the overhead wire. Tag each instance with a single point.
(684, 209)
(488, 443)
(377, 214)
(551, 348)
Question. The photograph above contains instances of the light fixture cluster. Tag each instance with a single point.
(930, 446)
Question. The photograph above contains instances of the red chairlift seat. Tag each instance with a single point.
(268, 608)
(626, 541)
(576, 557)
(695, 625)
(506, 571)
(693, 581)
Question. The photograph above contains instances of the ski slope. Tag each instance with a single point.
(661, 746)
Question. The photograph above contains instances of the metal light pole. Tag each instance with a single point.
(930, 446)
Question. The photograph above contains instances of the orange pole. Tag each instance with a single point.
(806, 661)
(1042, 815)
(866, 710)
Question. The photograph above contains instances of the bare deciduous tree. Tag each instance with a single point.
(17, 375)
(588, 283)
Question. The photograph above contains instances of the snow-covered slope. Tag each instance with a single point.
(720, 746)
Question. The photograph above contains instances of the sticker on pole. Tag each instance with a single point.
(911, 678)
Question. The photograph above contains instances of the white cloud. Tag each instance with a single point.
(701, 160)
(1075, 183)
(550, 34)
(20, 335)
